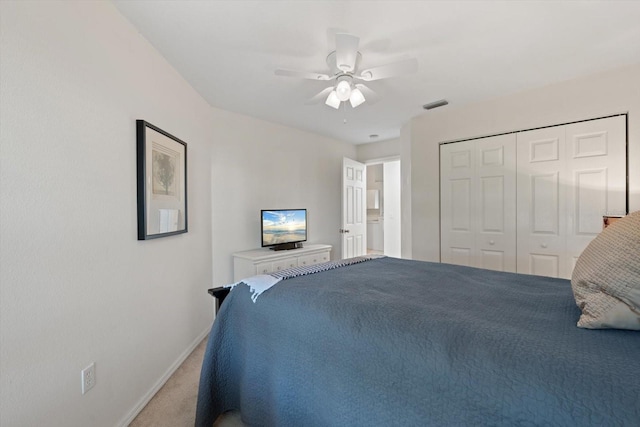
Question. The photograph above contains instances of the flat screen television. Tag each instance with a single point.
(283, 228)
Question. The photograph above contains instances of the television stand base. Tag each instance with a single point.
(286, 246)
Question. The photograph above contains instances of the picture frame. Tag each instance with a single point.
(161, 182)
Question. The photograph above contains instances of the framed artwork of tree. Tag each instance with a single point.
(162, 182)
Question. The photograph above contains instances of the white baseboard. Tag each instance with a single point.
(149, 395)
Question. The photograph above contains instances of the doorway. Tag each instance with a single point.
(383, 208)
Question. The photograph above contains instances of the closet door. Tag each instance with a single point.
(478, 203)
(496, 203)
(457, 204)
(541, 201)
(596, 171)
(568, 178)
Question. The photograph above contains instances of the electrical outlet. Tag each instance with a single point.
(88, 377)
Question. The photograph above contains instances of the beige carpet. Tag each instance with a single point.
(175, 403)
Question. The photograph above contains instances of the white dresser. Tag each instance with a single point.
(265, 260)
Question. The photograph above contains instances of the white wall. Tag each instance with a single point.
(260, 165)
(407, 191)
(76, 286)
(378, 150)
(616, 91)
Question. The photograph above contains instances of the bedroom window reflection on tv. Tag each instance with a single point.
(283, 228)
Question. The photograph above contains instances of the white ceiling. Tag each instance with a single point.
(467, 52)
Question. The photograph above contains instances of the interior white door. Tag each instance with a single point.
(457, 204)
(496, 203)
(568, 178)
(596, 172)
(542, 189)
(478, 203)
(354, 214)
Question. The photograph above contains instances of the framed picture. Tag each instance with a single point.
(162, 182)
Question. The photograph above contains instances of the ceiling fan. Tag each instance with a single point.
(343, 65)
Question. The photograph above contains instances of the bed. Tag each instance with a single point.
(399, 342)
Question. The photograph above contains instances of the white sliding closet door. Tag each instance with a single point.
(478, 203)
(568, 178)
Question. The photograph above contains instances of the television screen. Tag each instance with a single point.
(282, 226)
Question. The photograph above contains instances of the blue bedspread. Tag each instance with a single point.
(399, 342)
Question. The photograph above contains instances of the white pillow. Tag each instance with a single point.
(606, 278)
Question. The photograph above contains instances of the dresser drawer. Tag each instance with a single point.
(313, 259)
(264, 268)
(284, 264)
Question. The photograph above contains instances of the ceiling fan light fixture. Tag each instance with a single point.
(333, 100)
(345, 73)
(343, 90)
(356, 98)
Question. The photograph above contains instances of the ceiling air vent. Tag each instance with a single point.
(435, 104)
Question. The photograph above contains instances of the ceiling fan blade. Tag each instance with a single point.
(346, 51)
(369, 95)
(302, 74)
(406, 66)
(320, 97)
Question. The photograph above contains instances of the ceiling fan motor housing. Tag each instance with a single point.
(336, 70)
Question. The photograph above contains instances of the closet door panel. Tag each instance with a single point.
(478, 203)
(590, 196)
(544, 198)
(457, 204)
(496, 202)
(596, 166)
(493, 260)
(461, 202)
(458, 256)
(541, 198)
(568, 178)
(544, 265)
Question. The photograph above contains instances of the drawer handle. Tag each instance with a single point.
(544, 245)
(315, 260)
(492, 242)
